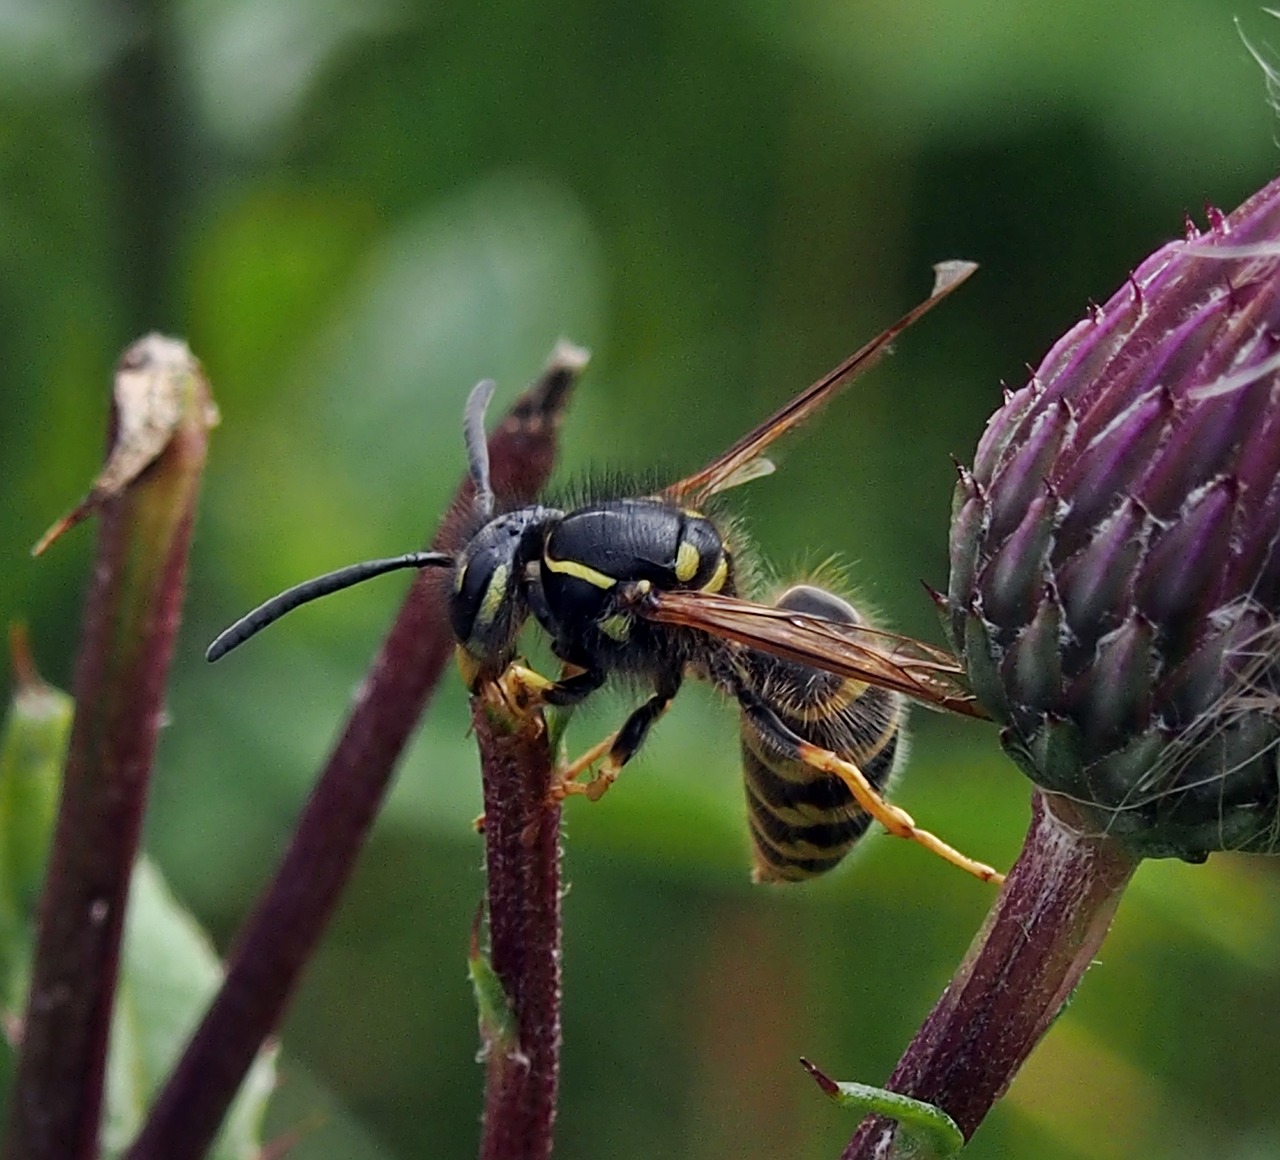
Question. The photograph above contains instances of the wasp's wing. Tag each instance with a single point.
(738, 464)
(756, 468)
(858, 652)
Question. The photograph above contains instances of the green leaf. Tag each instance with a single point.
(32, 750)
(498, 1029)
(169, 973)
(932, 1132)
(169, 970)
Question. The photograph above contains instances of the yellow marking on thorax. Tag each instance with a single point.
(718, 577)
(687, 561)
(579, 571)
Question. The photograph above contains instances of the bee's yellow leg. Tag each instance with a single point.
(893, 818)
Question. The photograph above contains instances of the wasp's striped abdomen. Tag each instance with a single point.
(803, 821)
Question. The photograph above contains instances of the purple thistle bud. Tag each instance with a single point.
(1115, 597)
(1115, 552)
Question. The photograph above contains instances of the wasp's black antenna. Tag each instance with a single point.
(309, 590)
(478, 445)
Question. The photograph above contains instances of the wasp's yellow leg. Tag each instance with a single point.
(517, 691)
(893, 818)
(523, 688)
(567, 783)
(621, 747)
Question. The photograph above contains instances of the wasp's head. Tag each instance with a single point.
(488, 604)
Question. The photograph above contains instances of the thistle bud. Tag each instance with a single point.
(1115, 552)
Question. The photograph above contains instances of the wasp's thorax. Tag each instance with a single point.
(594, 558)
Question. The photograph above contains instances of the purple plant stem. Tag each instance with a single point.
(280, 935)
(522, 855)
(1035, 945)
(132, 610)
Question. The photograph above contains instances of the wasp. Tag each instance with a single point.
(646, 588)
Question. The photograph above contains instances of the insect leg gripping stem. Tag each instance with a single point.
(621, 746)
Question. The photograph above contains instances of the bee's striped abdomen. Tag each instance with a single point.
(803, 821)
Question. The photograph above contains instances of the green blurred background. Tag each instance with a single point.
(354, 209)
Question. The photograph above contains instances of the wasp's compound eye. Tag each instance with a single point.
(480, 605)
(487, 605)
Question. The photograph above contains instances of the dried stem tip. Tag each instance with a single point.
(145, 498)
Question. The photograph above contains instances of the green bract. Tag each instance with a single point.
(1115, 573)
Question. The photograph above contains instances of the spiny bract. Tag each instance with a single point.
(1115, 568)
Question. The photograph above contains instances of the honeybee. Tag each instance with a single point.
(646, 587)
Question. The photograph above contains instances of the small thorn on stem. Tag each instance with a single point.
(829, 1086)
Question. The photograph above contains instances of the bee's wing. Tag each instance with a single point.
(858, 652)
(744, 460)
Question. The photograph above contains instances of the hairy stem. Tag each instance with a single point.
(522, 855)
(280, 935)
(1034, 947)
(145, 500)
